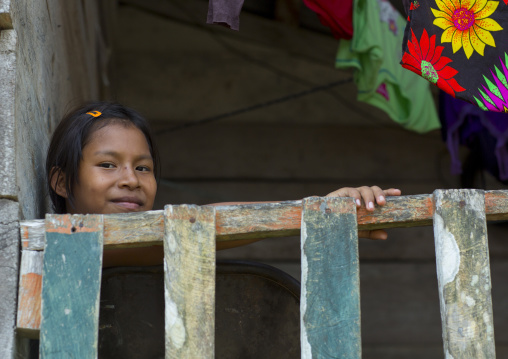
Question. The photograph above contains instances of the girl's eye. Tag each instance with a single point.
(143, 168)
(106, 165)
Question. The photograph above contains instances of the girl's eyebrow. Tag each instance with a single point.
(116, 154)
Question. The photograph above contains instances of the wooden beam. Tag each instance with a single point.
(263, 220)
(235, 222)
(71, 286)
(330, 298)
(462, 256)
(189, 281)
(28, 320)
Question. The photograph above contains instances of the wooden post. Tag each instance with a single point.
(463, 270)
(189, 281)
(28, 320)
(71, 286)
(330, 299)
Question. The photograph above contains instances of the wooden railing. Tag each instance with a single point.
(62, 259)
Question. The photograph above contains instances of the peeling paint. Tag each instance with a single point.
(474, 279)
(305, 345)
(448, 355)
(174, 325)
(488, 325)
(447, 252)
(470, 301)
(171, 242)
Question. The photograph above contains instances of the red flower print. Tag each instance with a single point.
(424, 58)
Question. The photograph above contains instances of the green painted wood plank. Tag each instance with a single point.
(71, 286)
(330, 299)
(189, 281)
(462, 258)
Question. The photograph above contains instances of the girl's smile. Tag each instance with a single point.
(116, 173)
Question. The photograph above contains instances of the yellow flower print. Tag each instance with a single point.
(466, 24)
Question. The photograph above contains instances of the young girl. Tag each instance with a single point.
(102, 159)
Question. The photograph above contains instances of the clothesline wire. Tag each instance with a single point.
(262, 64)
(256, 106)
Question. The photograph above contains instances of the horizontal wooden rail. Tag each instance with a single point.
(337, 223)
(263, 220)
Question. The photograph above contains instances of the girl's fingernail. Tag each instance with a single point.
(381, 198)
(358, 203)
(370, 205)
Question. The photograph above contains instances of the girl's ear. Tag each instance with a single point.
(57, 181)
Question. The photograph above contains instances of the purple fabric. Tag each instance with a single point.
(462, 120)
(225, 12)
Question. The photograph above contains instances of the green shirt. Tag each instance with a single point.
(375, 52)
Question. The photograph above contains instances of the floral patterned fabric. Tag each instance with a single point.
(461, 46)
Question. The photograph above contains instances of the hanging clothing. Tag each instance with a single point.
(460, 46)
(334, 14)
(480, 131)
(225, 12)
(375, 53)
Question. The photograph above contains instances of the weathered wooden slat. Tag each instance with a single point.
(189, 281)
(462, 257)
(246, 221)
(70, 286)
(28, 320)
(32, 234)
(330, 298)
(263, 220)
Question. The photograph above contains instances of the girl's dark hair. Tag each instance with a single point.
(74, 132)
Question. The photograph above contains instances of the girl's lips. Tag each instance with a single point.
(127, 205)
(131, 203)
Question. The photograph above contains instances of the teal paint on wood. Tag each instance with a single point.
(463, 269)
(330, 299)
(189, 281)
(71, 286)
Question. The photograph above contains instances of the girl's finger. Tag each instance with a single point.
(347, 192)
(379, 194)
(368, 197)
(392, 192)
(377, 234)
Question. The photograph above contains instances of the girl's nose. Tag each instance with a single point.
(129, 178)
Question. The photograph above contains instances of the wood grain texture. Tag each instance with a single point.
(189, 281)
(463, 270)
(28, 320)
(264, 220)
(330, 298)
(32, 234)
(71, 286)
(260, 220)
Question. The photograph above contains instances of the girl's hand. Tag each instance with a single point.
(369, 196)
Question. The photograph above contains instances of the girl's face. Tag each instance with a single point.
(116, 173)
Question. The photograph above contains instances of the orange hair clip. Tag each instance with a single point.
(94, 113)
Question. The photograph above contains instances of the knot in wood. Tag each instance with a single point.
(192, 220)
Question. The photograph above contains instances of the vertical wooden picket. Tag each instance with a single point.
(71, 286)
(189, 281)
(330, 299)
(462, 258)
